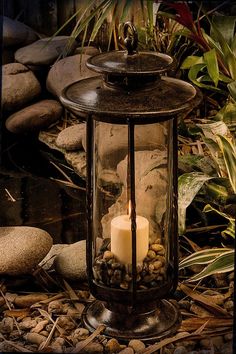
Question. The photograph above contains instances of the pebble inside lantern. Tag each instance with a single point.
(132, 247)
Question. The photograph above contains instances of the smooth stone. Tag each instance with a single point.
(88, 50)
(19, 86)
(22, 248)
(71, 262)
(127, 350)
(16, 33)
(137, 345)
(92, 348)
(67, 71)
(71, 137)
(47, 262)
(45, 51)
(113, 141)
(112, 346)
(35, 117)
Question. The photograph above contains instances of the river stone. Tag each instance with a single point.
(70, 263)
(22, 248)
(19, 86)
(89, 50)
(45, 51)
(113, 140)
(16, 33)
(66, 71)
(47, 262)
(71, 138)
(35, 117)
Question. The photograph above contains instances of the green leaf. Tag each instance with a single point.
(228, 55)
(202, 257)
(191, 60)
(189, 185)
(230, 230)
(229, 154)
(232, 89)
(210, 58)
(222, 264)
(103, 15)
(193, 76)
(226, 25)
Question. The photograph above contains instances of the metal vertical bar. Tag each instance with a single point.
(174, 198)
(89, 198)
(131, 173)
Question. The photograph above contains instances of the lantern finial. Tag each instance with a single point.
(130, 38)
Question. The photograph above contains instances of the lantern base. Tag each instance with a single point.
(149, 325)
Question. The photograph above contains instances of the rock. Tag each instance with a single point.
(6, 325)
(227, 348)
(71, 262)
(113, 141)
(80, 333)
(66, 71)
(92, 348)
(19, 86)
(137, 345)
(180, 350)
(22, 248)
(47, 262)
(16, 33)
(127, 350)
(35, 338)
(77, 159)
(45, 51)
(88, 50)
(112, 346)
(71, 137)
(33, 118)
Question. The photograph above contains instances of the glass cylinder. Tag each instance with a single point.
(133, 210)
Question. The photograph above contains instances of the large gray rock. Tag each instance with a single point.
(19, 86)
(66, 71)
(35, 117)
(113, 141)
(16, 33)
(22, 248)
(71, 261)
(45, 51)
(71, 138)
(47, 262)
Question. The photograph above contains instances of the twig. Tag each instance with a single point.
(44, 344)
(14, 345)
(153, 348)
(10, 196)
(9, 307)
(68, 184)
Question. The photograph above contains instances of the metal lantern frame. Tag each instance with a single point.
(131, 313)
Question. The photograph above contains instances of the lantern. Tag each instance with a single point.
(131, 111)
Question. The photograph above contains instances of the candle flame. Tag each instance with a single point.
(129, 209)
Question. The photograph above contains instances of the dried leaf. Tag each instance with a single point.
(204, 301)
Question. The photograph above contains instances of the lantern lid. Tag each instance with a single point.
(137, 64)
(131, 86)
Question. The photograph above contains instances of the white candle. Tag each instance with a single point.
(121, 238)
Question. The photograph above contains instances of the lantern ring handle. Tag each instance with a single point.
(130, 37)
